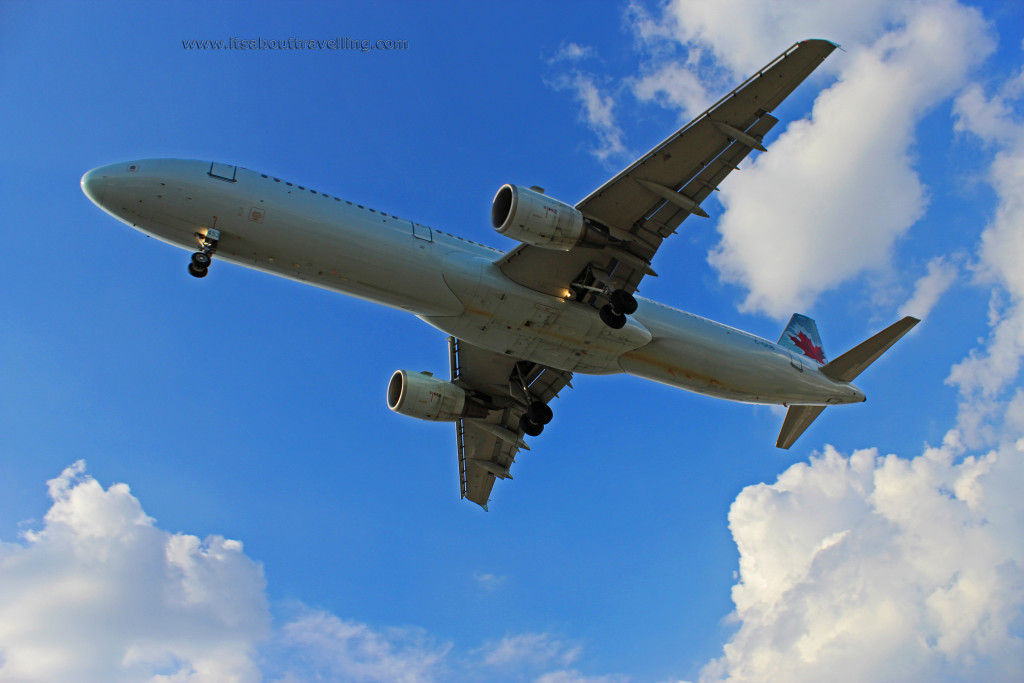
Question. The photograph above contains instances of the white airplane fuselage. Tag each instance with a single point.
(448, 282)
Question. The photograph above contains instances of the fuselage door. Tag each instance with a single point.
(795, 361)
(223, 171)
(422, 232)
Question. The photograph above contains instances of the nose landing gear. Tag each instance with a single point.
(200, 264)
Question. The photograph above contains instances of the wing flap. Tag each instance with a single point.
(487, 447)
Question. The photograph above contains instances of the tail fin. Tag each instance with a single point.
(801, 337)
(845, 368)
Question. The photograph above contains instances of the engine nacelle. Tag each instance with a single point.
(537, 219)
(423, 396)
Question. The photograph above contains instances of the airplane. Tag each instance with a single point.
(521, 322)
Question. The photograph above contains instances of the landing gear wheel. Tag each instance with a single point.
(529, 427)
(539, 413)
(197, 272)
(612, 318)
(201, 260)
(623, 302)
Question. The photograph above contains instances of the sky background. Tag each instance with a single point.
(200, 479)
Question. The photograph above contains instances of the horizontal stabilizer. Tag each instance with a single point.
(798, 419)
(853, 362)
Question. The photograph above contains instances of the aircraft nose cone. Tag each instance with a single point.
(93, 185)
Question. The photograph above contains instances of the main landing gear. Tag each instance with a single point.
(537, 412)
(620, 304)
(200, 263)
(537, 415)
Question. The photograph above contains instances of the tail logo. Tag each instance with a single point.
(804, 343)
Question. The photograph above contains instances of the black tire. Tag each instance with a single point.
(611, 318)
(539, 413)
(201, 260)
(529, 427)
(196, 272)
(623, 302)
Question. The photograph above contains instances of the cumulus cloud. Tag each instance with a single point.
(986, 374)
(740, 35)
(881, 568)
(838, 188)
(102, 594)
(865, 567)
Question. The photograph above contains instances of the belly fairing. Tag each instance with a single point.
(512, 320)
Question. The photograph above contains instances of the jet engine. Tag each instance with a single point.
(537, 219)
(423, 396)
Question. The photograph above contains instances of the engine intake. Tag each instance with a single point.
(423, 396)
(537, 219)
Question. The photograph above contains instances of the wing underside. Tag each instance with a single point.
(487, 447)
(647, 201)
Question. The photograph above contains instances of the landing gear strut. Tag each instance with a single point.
(620, 304)
(200, 263)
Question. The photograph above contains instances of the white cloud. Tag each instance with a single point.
(535, 649)
(675, 85)
(597, 111)
(573, 52)
(884, 568)
(488, 581)
(101, 593)
(881, 568)
(573, 676)
(742, 35)
(597, 106)
(985, 374)
(838, 189)
(930, 288)
(318, 645)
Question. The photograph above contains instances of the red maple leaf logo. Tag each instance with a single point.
(807, 346)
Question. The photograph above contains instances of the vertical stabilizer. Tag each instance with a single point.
(801, 337)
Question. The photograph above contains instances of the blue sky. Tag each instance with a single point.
(248, 506)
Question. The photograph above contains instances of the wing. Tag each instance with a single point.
(646, 202)
(488, 446)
